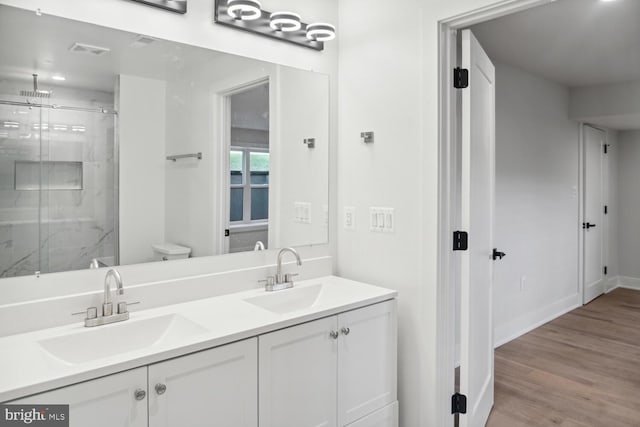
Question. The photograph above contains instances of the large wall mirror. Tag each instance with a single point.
(118, 148)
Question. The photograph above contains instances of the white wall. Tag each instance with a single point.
(611, 105)
(629, 203)
(300, 173)
(537, 211)
(141, 104)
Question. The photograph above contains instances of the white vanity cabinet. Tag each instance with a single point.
(211, 388)
(119, 400)
(331, 372)
(216, 387)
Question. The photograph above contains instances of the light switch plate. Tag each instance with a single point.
(302, 212)
(381, 220)
(349, 218)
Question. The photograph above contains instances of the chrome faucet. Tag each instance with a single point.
(107, 305)
(281, 281)
(108, 316)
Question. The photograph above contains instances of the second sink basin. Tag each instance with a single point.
(110, 340)
(288, 300)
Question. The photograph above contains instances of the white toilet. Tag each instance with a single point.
(170, 251)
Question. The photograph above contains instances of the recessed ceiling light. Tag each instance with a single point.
(59, 78)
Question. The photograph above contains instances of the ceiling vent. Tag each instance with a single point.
(89, 49)
(142, 41)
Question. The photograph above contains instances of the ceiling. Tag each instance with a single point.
(572, 42)
(40, 44)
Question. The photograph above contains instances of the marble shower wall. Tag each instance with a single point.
(65, 223)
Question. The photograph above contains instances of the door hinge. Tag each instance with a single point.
(606, 210)
(458, 404)
(226, 232)
(606, 148)
(460, 78)
(606, 270)
(460, 240)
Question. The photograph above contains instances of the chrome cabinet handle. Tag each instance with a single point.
(140, 394)
(334, 334)
(345, 331)
(161, 388)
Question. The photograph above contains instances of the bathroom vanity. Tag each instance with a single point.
(320, 353)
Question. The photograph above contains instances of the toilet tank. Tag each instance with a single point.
(170, 251)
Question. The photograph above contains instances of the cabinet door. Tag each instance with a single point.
(298, 376)
(385, 417)
(367, 363)
(105, 402)
(216, 387)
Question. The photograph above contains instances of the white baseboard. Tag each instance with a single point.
(530, 321)
(628, 283)
(612, 283)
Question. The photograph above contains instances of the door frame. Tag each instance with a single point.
(448, 205)
(221, 94)
(581, 206)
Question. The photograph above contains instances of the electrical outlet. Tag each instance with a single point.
(349, 218)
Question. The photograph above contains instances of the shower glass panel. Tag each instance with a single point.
(58, 190)
(19, 210)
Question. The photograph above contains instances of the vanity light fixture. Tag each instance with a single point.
(285, 21)
(244, 10)
(321, 32)
(247, 15)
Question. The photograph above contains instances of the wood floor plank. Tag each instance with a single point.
(580, 370)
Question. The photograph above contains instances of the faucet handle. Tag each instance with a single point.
(122, 306)
(91, 313)
(269, 281)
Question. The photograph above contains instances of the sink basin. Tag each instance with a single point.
(288, 300)
(110, 340)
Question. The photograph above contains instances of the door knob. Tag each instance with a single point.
(587, 225)
(497, 254)
(140, 394)
(161, 388)
(345, 331)
(334, 334)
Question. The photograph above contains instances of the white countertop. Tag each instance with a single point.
(26, 368)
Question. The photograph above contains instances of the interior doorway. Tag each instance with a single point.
(247, 168)
(595, 210)
(553, 205)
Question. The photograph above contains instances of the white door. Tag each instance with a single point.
(477, 210)
(298, 375)
(367, 365)
(593, 225)
(216, 387)
(106, 402)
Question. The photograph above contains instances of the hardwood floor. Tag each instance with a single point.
(582, 369)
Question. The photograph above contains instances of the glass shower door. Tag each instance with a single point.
(20, 182)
